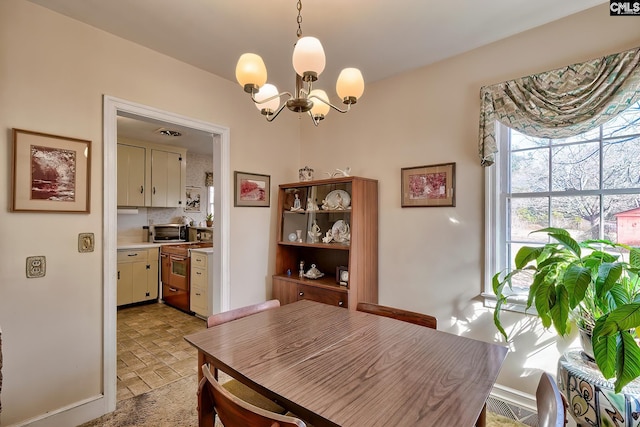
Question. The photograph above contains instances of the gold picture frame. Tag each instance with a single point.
(429, 186)
(51, 173)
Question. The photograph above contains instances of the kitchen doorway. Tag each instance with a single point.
(114, 107)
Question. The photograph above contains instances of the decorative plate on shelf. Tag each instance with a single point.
(293, 237)
(338, 200)
(341, 232)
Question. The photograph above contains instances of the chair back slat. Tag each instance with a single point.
(552, 407)
(399, 314)
(235, 412)
(238, 313)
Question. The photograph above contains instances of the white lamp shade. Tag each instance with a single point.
(308, 55)
(350, 83)
(319, 107)
(251, 70)
(267, 91)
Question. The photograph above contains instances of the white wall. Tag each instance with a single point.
(54, 72)
(431, 259)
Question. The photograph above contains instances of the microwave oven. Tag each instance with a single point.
(168, 233)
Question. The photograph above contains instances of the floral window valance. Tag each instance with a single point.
(560, 103)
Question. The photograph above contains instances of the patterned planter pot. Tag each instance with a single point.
(591, 399)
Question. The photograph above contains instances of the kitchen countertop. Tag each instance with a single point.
(146, 245)
(205, 250)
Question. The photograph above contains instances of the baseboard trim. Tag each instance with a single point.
(71, 415)
(515, 397)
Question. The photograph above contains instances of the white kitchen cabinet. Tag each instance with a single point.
(137, 275)
(166, 181)
(204, 301)
(131, 175)
(150, 174)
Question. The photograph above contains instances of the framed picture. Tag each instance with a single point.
(252, 189)
(432, 185)
(50, 173)
(193, 197)
(342, 275)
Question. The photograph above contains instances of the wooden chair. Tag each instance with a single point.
(235, 387)
(396, 313)
(214, 399)
(552, 406)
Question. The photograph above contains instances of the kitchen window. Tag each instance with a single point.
(588, 184)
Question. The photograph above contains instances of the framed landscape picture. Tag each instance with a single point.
(50, 173)
(252, 189)
(432, 185)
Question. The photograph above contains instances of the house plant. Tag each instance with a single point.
(209, 219)
(593, 283)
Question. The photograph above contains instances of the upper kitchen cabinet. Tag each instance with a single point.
(167, 187)
(150, 174)
(131, 168)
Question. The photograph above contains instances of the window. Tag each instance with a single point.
(588, 184)
(210, 194)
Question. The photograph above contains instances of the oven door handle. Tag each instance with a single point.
(178, 258)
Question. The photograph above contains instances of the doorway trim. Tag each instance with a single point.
(221, 171)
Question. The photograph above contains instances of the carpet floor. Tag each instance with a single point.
(174, 405)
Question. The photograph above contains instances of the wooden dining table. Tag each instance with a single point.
(338, 367)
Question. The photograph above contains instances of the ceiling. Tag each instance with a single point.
(381, 37)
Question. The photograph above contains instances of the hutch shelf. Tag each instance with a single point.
(339, 238)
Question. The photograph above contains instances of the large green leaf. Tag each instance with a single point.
(544, 300)
(567, 241)
(526, 254)
(608, 275)
(628, 361)
(625, 317)
(560, 311)
(634, 257)
(576, 279)
(496, 317)
(604, 349)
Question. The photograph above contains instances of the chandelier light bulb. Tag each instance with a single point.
(350, 85)
(251, 72)
(308, 57)
(319, 109)
(267, 91)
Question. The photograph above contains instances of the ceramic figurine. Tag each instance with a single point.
(311, 205)
(297, 206)
(314, 234)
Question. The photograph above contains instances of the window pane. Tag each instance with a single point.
(530, 171)
(519, 141)
(627, 123)
(527, 215)
(621, 159)
(622, 218)
(576, 167)
(579, 215)
(592, 135)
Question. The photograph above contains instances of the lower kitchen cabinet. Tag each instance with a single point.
(137, 275)
(201, 266)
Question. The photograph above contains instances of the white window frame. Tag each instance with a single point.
(496, 221)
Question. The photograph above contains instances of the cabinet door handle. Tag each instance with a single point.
(198, 273)
(132, 255)
(118, 275)
(173, 289)
(154, 190)
(197, 294)
(301, 294)
(340, 303)
(141, 189)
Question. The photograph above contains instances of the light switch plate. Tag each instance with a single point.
(36, 266)
(86, 242)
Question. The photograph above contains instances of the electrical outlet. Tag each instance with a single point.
(36, 266)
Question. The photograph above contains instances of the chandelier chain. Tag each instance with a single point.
(299, 6)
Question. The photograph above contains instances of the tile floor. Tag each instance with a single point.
(151, 349)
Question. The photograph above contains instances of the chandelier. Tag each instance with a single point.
(308, 62)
